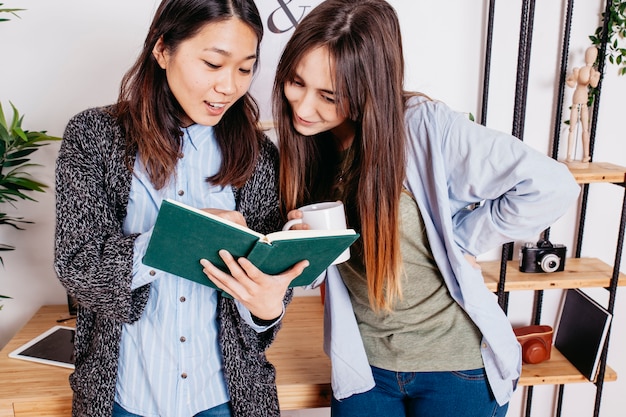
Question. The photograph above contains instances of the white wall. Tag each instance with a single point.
(64, 56)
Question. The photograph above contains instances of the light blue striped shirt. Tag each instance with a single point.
(170, 362)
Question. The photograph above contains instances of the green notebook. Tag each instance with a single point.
(182, 235)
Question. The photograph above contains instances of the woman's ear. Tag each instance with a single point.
(160, 53)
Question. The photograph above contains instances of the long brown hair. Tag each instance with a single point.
(364, 41)
(150, 114)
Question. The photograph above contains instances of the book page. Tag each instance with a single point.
(216, 218)
(305, 234)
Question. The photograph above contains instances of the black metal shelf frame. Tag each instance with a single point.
(521, 93)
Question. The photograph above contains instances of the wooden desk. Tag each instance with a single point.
(32, 389)
(303, 369)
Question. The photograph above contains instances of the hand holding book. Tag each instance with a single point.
(260, 293)
(184, 235)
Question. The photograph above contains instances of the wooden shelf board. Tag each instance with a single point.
(578, 273)
(599, 172)
(557, 370)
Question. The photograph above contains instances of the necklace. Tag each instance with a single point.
(345, 161)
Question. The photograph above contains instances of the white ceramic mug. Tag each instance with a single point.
(323, 216)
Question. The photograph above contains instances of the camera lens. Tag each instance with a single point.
(550, 263)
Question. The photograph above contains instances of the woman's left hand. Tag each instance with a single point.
(260, 293)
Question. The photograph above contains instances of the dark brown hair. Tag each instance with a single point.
(364, 41)
(150, 114)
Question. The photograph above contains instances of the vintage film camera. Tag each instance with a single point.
(542, 257)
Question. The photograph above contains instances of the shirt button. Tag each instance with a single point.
(183, 339)
(152, 272)
(183, 375)
(182, 299)
(484, 345)
(181, 192)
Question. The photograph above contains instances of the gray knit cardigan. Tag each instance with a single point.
(94, 259)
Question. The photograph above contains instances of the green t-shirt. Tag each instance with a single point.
(427, 330)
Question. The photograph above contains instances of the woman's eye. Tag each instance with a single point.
(296, 83)
(245, 71)
(210, 65)
(329, 99)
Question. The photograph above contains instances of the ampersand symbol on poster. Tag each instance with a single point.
(284, 8)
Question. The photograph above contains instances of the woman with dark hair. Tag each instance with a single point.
(413, 329)
(184, 127)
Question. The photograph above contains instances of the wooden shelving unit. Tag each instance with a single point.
(504, 276)
(578, 273)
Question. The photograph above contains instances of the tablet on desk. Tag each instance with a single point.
(53, 347)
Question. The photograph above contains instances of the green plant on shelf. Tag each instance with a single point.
(616, 38)
(615, 19)
(615, 52)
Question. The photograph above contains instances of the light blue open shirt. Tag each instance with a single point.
(451, 164)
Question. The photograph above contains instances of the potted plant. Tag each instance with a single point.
(16, 146)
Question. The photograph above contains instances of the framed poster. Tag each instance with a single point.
(280, 17)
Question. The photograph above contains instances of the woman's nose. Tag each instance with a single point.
(226, 83)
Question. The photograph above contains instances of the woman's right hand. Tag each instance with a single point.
(296, 214)
(260, 293)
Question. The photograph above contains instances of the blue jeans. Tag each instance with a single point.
(423, 394)
(222, 410)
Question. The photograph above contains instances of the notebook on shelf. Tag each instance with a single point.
(581, 331)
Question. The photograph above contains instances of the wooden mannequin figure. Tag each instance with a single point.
(581, 79)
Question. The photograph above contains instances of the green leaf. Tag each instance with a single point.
(3, 120)
(24, 183)
(5, 247)
(14, 224)
(21, 153)
(17, 162)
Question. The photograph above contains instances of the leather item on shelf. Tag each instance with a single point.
(536, 341)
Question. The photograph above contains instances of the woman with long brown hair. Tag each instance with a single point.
(428, 190)
(150, 343)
